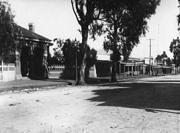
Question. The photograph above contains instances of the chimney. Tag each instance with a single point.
(31, 27)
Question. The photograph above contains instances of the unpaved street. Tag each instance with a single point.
(145, 106)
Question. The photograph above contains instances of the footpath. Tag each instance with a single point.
(33, 85)
(28, 84)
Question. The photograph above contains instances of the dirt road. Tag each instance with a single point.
(144, 106)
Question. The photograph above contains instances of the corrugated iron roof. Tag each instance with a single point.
(29, 35)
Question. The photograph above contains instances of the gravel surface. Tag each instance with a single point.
(143, 106)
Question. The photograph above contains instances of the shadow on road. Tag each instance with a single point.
(159, 96)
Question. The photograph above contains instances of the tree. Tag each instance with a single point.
(86, 11)
(175, 49)
(7, 31)
(175, 46)
(123, 23)
(71, 54)
(163, 59)
(178, 16)
(57, 57)
(158, 59)
(168, 62)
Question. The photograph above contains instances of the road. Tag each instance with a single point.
(150, 105)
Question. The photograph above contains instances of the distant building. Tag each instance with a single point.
(134, 66)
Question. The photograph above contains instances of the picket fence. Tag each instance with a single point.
(56, 68)
(7, 72)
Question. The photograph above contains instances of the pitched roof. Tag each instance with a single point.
(29, 35)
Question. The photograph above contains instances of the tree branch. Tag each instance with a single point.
(75, 12)
(109, 32)
(97, 17)
(90, 11)
(80, 11)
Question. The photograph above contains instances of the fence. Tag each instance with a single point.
(55, 71)
(56, 68)
(7, 72)
(103, 69)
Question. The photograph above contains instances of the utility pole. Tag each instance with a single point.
(150, 41)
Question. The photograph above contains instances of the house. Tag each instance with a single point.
(31, 55)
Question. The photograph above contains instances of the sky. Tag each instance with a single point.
(55, 19)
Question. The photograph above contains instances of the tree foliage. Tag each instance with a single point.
(7, 30)
(175, 49)
(57, 57)
(70, 51)
(123, 22)
(175, 46)
(71, 54)
(163, 59)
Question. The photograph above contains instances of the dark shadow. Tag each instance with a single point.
(97, 81)
(157, 97)
(59, 81)
(55, 80)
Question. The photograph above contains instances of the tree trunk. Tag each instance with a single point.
(113, 73)
(87, 73)
(81, 71)
(114, 62)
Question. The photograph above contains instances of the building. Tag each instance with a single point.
(103, 66)
(31, 55)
